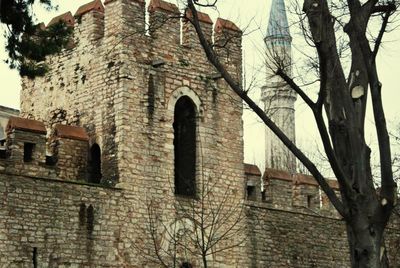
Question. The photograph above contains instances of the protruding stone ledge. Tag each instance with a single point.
(159, 5)
(250, 169)
(94, 5)
(24, 124)
(71, 132)
(66, 17)
(203, 17)
(141, 2)
(271, 173)
(223, 24)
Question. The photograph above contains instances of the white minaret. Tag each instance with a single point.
(278, 97)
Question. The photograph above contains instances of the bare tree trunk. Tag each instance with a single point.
(366, 240)
(204, 258)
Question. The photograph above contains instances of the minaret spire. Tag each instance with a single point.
(278, 26)
(277, 96)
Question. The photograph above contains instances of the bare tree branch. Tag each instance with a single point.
(235, 85)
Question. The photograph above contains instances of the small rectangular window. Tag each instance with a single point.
(28, 151)
(251, 193)
(3, 153)
(310, 201)
(263, 196)
(50, 160)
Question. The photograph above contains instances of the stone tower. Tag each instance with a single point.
(277, 96)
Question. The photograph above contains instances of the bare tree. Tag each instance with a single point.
(395, 137)
(342, 98)
(201, 228)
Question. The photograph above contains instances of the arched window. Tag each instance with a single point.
(95, 164)
(185, 146)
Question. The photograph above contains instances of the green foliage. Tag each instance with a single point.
(29, 44)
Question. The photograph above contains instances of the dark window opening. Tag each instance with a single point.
(82, 214)
(186, 265)
(251, 192)
(95, 164)
(264, 196)
(185, 147)
(151, 97)
(3, 151)
(310, 201)
(28, 151)
(34, 257)
(51, 160)
(90, 219)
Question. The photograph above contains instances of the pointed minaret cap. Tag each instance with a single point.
(278, 26)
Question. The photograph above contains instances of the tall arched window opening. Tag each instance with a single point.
(185, 147)
(95, 164)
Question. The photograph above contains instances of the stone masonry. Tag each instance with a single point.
(89, 167)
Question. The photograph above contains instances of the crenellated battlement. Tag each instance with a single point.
(71, 160)
(286, 190)
(26, 153)
(122, 19)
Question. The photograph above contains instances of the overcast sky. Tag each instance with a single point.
(251, 15)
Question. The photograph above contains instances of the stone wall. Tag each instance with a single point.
(72, 153)
(116, 85)
(59, 224)
(70, 224)
(282, 238)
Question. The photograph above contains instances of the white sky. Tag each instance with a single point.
(251, 15)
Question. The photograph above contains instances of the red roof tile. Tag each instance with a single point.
(225, 24)
(334, 184)
(66, 17)
(309, 180)
(305, 179)
(162, 6)
(251, 170)
(24, 124)
(271, 173)
(203, 17)
(71, 132)
(296, 178)
(138, 1)
(41, 26)
(94, 5)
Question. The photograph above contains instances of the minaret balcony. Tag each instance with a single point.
(277, 90)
